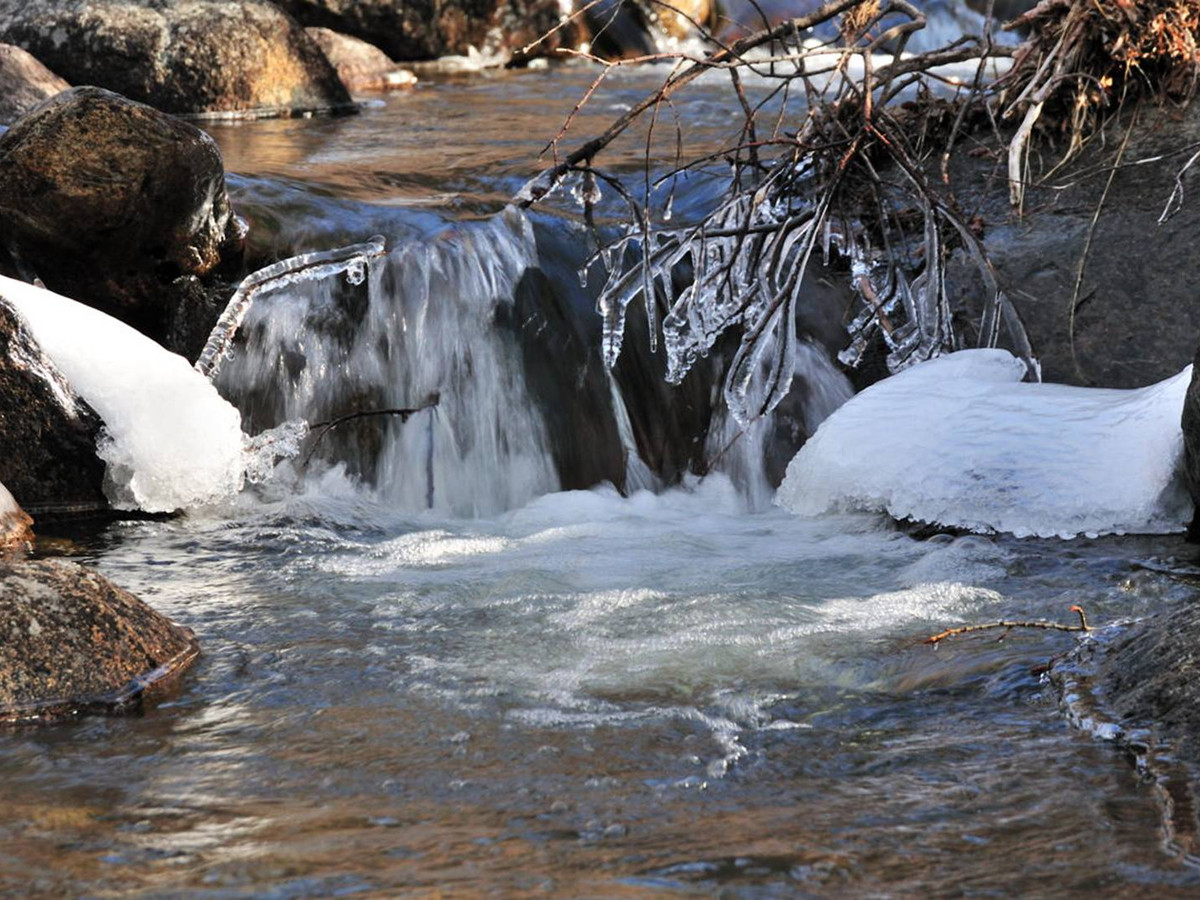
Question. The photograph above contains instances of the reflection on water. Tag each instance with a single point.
(589, 696)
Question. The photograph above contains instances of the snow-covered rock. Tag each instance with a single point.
(962, 441)
(170, 441)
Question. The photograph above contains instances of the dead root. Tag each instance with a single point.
(1085, 59)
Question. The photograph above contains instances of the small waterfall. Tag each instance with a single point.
(421, 324)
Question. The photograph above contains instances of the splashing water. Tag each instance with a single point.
(421, 323)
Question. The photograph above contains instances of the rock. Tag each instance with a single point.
(427, 29)
(1137, 320)
(361, 66)
(24, 83)
(1190, 422)
(620, 29)
(117, 205)
(181, 56)
(1145, 677)
(72, 642)
(15, 524)
(47, 433)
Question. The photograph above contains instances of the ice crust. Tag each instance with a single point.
(170, 441)
(961, 441)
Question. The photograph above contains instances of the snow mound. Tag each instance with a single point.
(170, 441)
(961, 441)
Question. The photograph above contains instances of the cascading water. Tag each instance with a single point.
(420, 326)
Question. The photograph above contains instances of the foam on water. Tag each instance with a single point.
(170, 441)
(962, 441)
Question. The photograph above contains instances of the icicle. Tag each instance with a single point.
(305, 267)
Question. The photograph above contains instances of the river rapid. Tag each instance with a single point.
(455, 688)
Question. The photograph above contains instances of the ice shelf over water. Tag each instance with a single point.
(961, 441)
(170, 440)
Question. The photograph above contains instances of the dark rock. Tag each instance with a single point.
(71, 641)
(181, 56)
(1145, 679)
(426, 29)
(620, 29)
(112, 202)
(361, 66)
(47, 433)
(1190, 422)
(24, 83)
(1137, 319)
(15, 524)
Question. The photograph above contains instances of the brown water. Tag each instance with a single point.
(589, 696)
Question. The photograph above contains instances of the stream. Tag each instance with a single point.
(432, 668)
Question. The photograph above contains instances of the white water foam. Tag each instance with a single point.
(961, 441)
(170, 441)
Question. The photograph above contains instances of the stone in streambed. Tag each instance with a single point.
(71, 641)
(24, 83)
(181, 56)
(361, 66)
(117, 205)
(15, 525)
(409, 30)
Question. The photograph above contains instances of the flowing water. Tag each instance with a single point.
(429, 671)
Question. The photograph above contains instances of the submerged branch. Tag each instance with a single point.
(1007, 625)
(320, 429)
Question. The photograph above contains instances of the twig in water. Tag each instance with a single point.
(1005, 624)
(320, 429)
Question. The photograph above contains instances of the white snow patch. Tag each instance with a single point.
(170, 440)
(962, 441)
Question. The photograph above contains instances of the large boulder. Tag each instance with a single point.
(181, 56)
(24, 83)
(71, 641)
(47, 433)
(15, 524)
(119, 206)
(361, 66)
(426, 29)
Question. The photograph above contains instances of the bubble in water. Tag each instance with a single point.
(356, 272)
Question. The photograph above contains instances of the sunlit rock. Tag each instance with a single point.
(24, 83)
(190, 56)
(361, 66)
(424, 29)
(73, 642)
(15, 524)
(119, 206)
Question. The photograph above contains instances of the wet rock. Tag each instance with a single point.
(24, 83)
(427, 29)
(116, 205)
(47, 433)
(15, 524)
(71, 641)
(1136, 320)
(361, 66)
(1148, 677)
(181, 56)
(1190, 422)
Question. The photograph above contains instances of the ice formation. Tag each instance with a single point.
(962, 441)
(170, 440)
